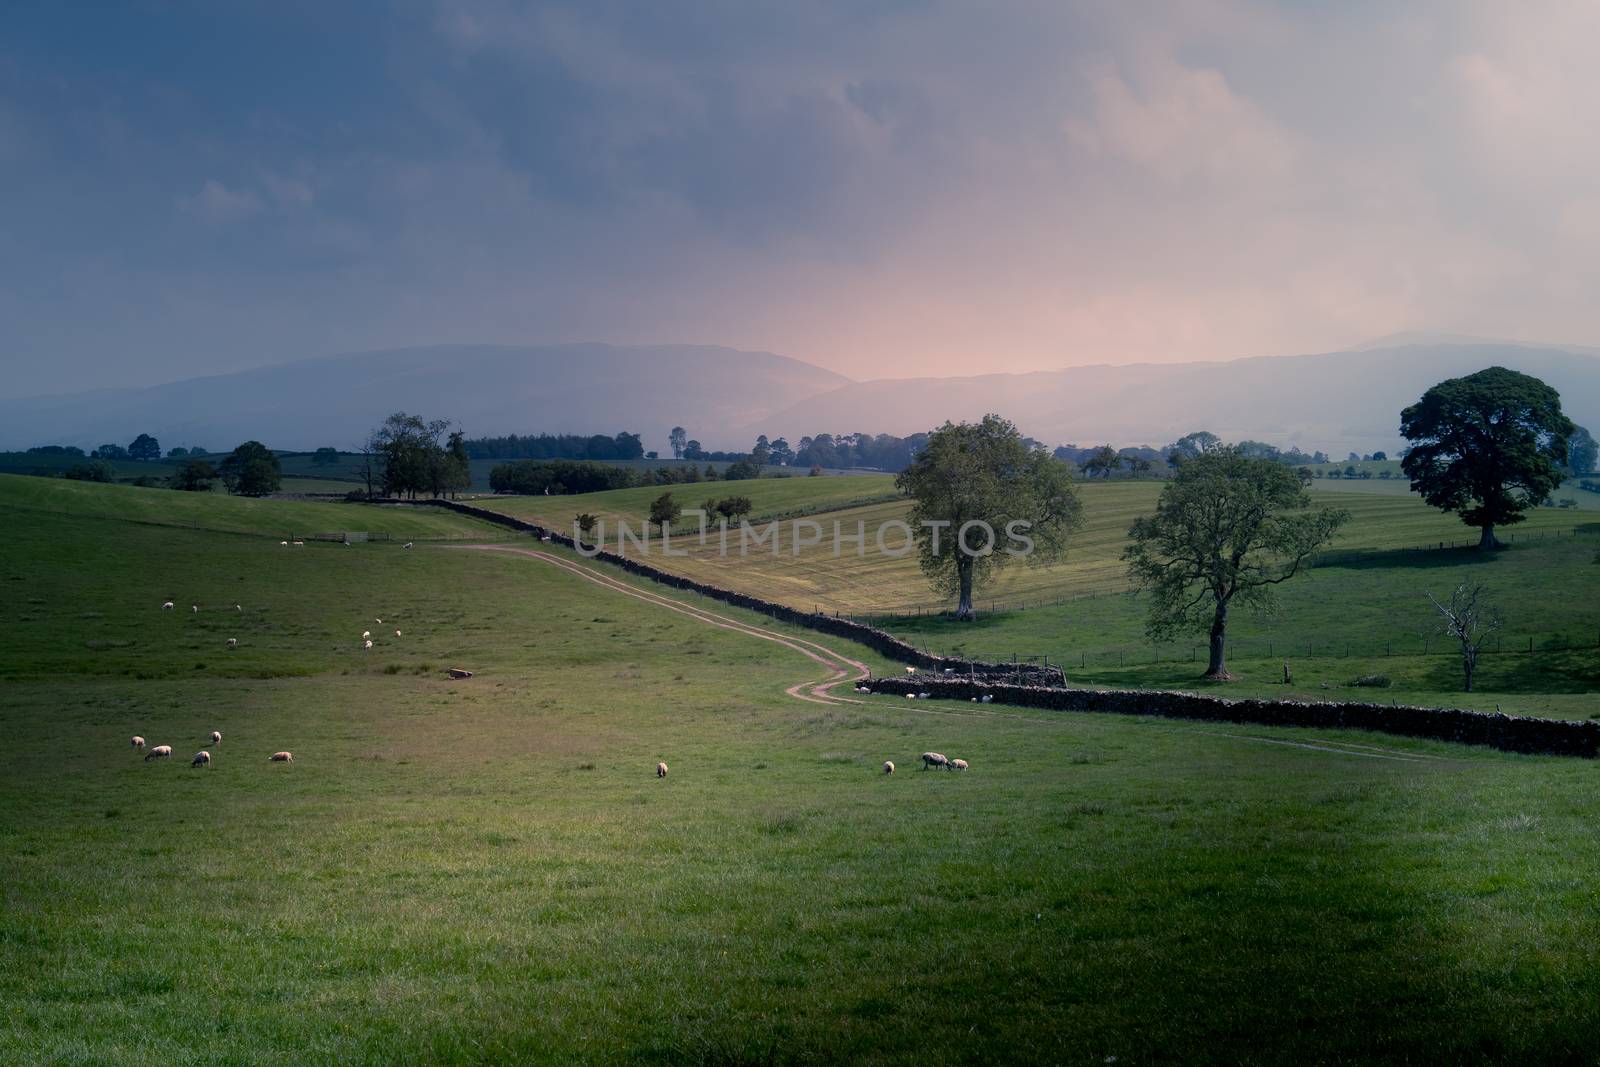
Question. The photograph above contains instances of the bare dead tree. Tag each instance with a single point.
(1468, 621)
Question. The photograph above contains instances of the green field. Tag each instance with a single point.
(487, 871)
(770, 497)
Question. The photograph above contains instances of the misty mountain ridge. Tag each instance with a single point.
(1348, 400)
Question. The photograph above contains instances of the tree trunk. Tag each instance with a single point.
(1488, 539)
(1469, 662)
(964, 575)
(1217, 667)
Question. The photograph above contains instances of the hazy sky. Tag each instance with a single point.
(884, 189)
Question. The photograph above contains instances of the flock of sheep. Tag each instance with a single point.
(201, 758)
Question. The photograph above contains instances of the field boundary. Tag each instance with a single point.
(1512, 733)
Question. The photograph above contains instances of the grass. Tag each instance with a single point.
(266, 516)
(487, 871)
(797, 495)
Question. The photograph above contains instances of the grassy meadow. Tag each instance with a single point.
(487, 870)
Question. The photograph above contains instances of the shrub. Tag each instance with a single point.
(1371, 681)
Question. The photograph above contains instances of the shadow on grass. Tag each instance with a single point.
(1409, 559)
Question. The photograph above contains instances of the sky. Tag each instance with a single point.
(885, 189)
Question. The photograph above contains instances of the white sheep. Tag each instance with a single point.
(365, 634)
(397, 633)
(911, 696)
(888, 767)
(366, 644)
(923, 696)
(159, 752)
(958, 765)
(195, 608)
(238, 607)
(201, 759)
(167, 606)
(281, 757)
(661, 770)
(911, 670)
(408, 544)
(138, 742)
(216, 737)
(233, 642)
(987, 698)
(299, 544)
(378, 621)
(285, 544)
(933, 759)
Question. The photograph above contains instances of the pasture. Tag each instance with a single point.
(487, 870)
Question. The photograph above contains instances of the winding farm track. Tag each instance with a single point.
(843, 668)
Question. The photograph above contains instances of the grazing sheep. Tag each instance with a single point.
(888, 767)
(923, 696)
(366, 644)
(233, 642)
(911, 670)
(138, 742)
(378, 621)
(397, 633)
(408, 544)
(216, 737)
(365, 634)
(911, 696)
(167, 606)
(201, 759)
(285, 544)
(957, 765)
(281, 757)
(933, 759)
(159, 752)
(238, 607)
(661, 770)
(987, 698)
(299, 544)
(195, 608)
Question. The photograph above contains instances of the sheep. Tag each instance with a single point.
(911, 696)
(933, 759)
(233, 642)
(138, 742)
(408, 544)
(299, 544)
(957, 765)
(167, 606)
(195, 608)
(216, 737)
(281, 757)
(366, 644)
(987, 698)
(159, 752)
(285, 544)
(201, 759)
(239, 608)
(911, 670)
(888, 767)
(378, 621)
(365, 634)
(923, 696)
(661, 770)
(397, 633)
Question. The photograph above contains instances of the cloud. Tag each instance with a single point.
(218, 205)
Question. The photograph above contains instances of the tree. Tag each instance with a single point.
(1581, 451)
(109, 452)
(1227, 529)
(177, 453)
(97, 470)
(1487, 447)
(692, 450)
(677, 439)
(251, 470)
(586, 524)
(144, 447)
(1464, 619)
(663, 509)
(761, 455)
(1104, 462)
(732, 507)
(1192, 446)
(413, 459)
(370, 466)
(194, 476)
(457, 466)
(1380, 456)
(325, 457)
(976, 475)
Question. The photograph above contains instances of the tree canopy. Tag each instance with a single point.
(250, 470)
(1227, 528)
(144, 447)
(971, 475)
(1487, 447)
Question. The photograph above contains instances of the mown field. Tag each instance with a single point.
(487, 871)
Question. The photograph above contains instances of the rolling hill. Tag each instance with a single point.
(488, 389)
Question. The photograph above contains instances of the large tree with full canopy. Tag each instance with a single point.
(983, 474)
(1227, 528)
(1487, 447)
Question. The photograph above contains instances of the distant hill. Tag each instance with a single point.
(488, 389)
(1336, 401)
